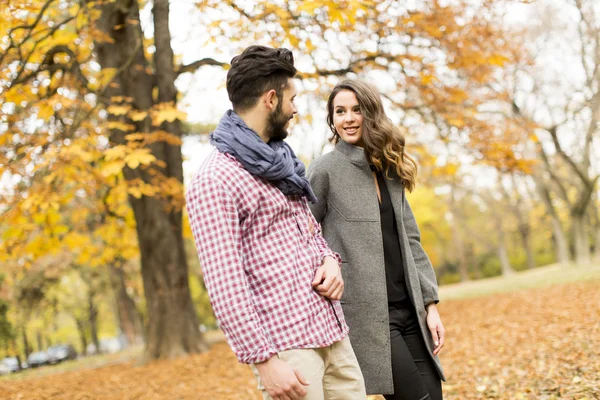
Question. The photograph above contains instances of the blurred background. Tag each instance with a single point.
(105, 112)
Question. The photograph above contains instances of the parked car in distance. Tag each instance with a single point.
(60, 353)
(10, 364)
(37, 359)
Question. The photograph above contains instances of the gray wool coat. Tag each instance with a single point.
(348, 210)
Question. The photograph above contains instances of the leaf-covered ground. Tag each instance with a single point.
(534, 344)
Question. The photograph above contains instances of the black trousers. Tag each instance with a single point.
(415, 376)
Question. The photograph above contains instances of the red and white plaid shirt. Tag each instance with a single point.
(259, 250)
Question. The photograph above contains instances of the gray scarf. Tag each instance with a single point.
(274, 161)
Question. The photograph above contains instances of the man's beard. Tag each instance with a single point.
(276, 124)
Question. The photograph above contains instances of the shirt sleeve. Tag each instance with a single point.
(429, 286)
(322, 245)
(214, 220)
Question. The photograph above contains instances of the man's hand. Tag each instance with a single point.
(434, 322)
(280, 380)
(328, 280)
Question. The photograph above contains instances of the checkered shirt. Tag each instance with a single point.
(259, 250)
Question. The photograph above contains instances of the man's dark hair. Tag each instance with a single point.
(257, 70)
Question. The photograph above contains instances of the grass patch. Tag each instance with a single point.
(538, 277)
(82, 363)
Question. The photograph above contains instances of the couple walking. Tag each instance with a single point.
(328, 300)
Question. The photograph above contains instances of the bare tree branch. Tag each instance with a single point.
(192, 67)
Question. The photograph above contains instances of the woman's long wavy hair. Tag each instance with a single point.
(383, 142)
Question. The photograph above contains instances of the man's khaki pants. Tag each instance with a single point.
(332, 371)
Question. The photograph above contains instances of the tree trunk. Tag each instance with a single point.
(26, 347)
(501, 250)
(159, 228)
(595, 214)
(597, 244)
(524, 232)
(40, 344)
(129, 319)
(560, 239)
(82, 336)
(457, 238)
(581, 238)
(93, 319)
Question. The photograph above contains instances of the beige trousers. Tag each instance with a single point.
(332, 371)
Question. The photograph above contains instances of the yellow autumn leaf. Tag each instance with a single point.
(427, 79)
(497, 60)
(112, 168)
(457, 122)
(117, 152)
(139, 156)
(310, 6)
(137, 115)
(118, 109)
(16, 95)
(166, 112)
(120, 126)
(45, 111)
(135, 192)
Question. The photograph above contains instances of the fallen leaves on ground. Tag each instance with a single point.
(534, 344)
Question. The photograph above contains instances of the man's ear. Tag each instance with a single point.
(270, 99)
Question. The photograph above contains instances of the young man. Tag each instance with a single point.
(273, 282)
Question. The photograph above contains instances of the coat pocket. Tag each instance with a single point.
(354, 213)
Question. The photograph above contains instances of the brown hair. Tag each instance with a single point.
(257, 70)
(383, 141)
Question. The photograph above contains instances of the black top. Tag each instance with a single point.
(394, 269)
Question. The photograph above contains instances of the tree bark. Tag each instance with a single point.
(595, 216)
(82, 336)
(560, 239)
(164, 267)
(581, 238)
(501, 249)
(522, 215)
(26, 347)
(40, 344)
(597, 244)
(93, 319)
(457, 237)
(128, 317)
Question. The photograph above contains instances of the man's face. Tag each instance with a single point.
(280, 117)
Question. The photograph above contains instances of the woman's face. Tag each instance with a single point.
(347, 118)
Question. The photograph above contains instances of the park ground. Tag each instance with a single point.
(533, 335)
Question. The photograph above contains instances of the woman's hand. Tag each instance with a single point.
(434, 322)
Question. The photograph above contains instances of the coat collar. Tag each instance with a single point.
(355, 154)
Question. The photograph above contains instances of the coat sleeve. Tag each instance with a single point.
(429, 286)
(319, 180)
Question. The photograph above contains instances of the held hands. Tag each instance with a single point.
(280, 380)
(434, 322)
(328, 280)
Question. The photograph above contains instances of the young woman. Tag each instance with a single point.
(390, 290)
